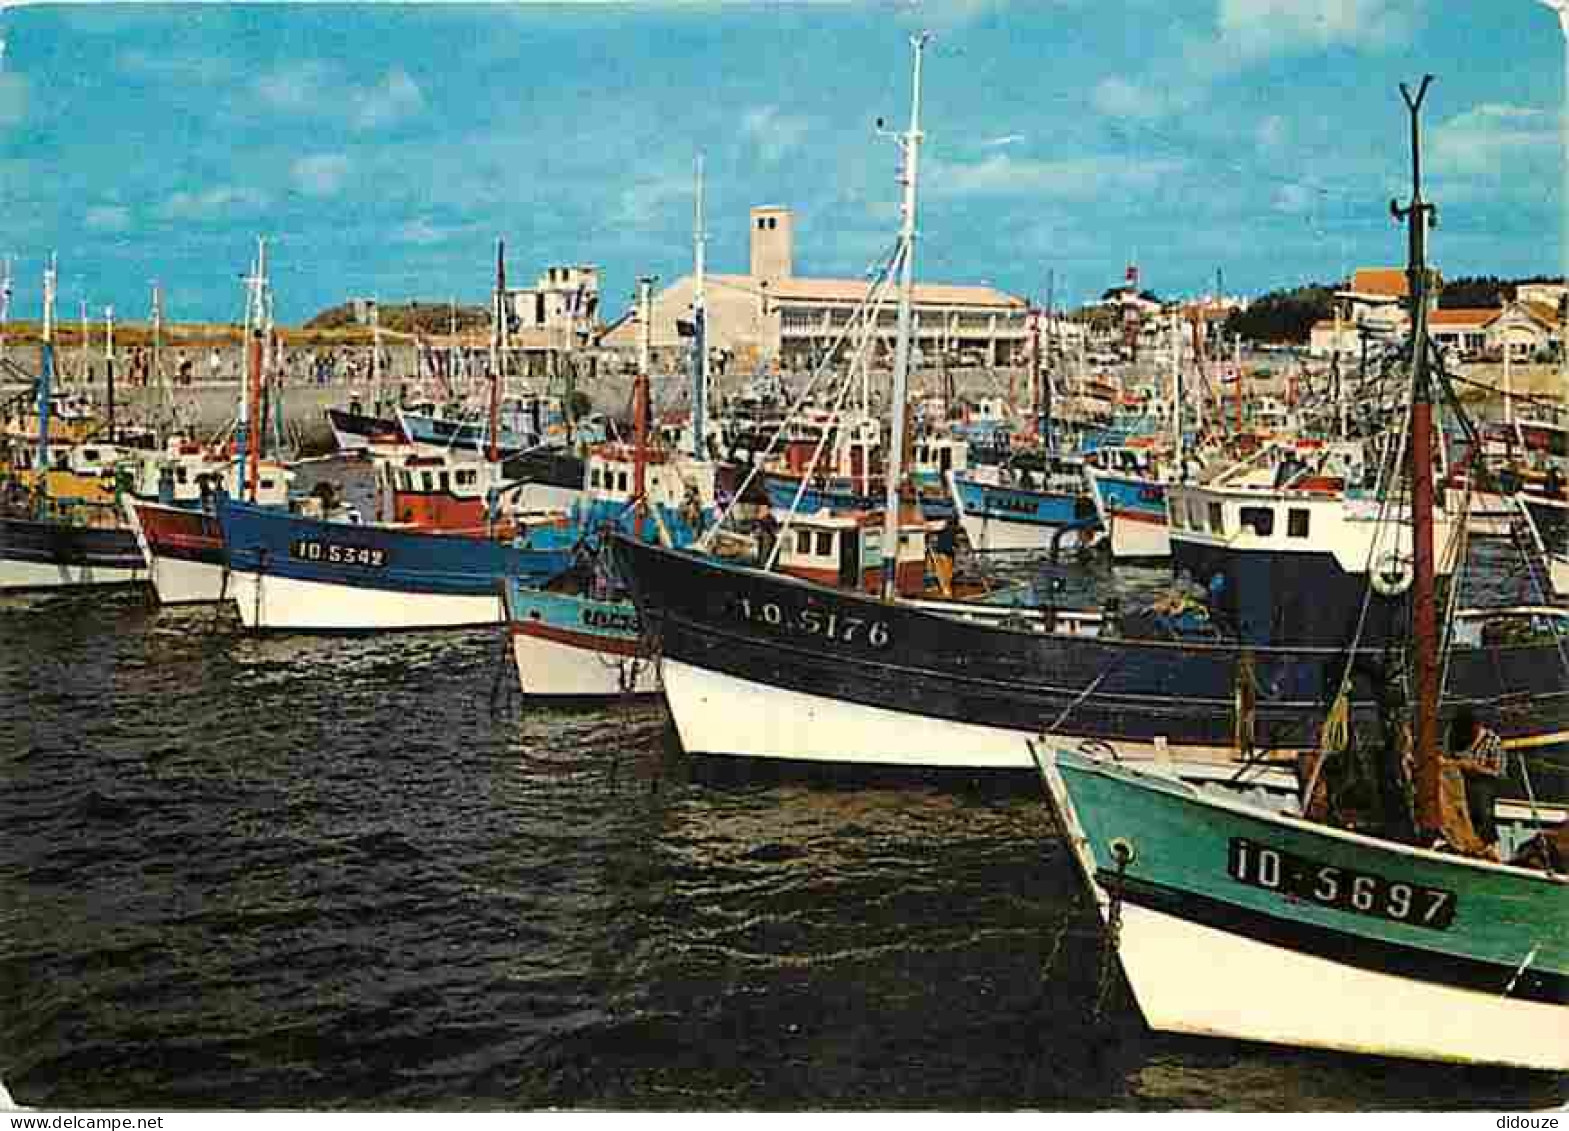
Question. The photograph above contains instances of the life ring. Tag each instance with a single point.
(1391, 574)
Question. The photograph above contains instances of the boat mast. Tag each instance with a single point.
(109, 368)
(640, 397)
(498, 354)
(255, 318)
(699, 326)
(5, 301)
(910, 143)
(156, 373)
(1176, 386)
(375, 357)
(1424, 626)
(46, 369)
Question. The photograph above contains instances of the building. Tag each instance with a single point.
(773, 315)
(1374, 301)
(558, 312)
(1462, 331)
(1528, 330)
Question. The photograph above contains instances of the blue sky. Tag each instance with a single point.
(385, 147)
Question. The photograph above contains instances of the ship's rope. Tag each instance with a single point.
(876, 295)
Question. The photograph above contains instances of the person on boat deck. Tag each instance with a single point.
(1477, 754)
(767, 536)
(944, 545)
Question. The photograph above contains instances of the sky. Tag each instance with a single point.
(382, 149)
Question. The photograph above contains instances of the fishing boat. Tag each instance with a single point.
(58, 528)
(1387, 925)
(1004, 511)
(1130, 498)
(172, 504)
(296, 571)
(759, 665)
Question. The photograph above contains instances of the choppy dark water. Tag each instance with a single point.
(322, 873)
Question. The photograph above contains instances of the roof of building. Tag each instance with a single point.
(800, 289)
(1541, 312)
(1477, 317)
(1384, 282)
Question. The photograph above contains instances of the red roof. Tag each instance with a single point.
(1463, 317)
(1389, 282)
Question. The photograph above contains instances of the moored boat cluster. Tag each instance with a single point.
(1252, 765)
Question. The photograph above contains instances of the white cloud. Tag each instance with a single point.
(299, 88)
(321, 174)
(1489, 138)
(772, 132)
(314, 88)
(397, 96)
(1258, 28)
(1116, 97)
(1000, 142)
(1076, 178)
(212, 202)
(423, 233)
(108, 218)
(654, 201)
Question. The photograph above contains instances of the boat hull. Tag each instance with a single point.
(184, 551)
(1000, 519)
(1312, 936)
(296, 574)
(1133, 511)
(274, 603)
(51, 555)
(572, 647)
(891, 684)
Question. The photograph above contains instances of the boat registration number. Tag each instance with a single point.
(336, 553)
(1330, 885)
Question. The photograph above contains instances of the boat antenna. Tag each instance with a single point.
(109, 370)
(499, 353)
(46, 368)
(910, 143)
(699, 325)
(1424, 628)
(640, 401)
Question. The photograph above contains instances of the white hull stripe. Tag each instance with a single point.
(1246, 989)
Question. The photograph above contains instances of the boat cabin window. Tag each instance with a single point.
(593, 477)
(1217, 524)
(427, 480)
(1297, 522)
(1179, 514)
(621, 481)
(1260, 519)
(446, 482)
(181, 475)
(466, 477)
(266, 484)
(825, 543)
(803, 541)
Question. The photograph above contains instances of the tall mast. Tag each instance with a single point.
(1176, 386)
(499, 354)
(156, 372)
(109, 369)
(5, 301)
(699, 326)
(375, 357)
(910, 143)
(1424, 621)
(46, 369)
(640, 397)
(250, 410)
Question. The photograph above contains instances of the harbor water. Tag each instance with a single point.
(357, 872)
